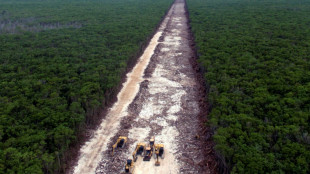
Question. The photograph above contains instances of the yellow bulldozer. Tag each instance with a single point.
(152, 142)
(129, 167)
(120, 143)
(149, 150)
(140, 148)
(148, 153)
(159, 152)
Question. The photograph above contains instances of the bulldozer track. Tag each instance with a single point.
(161, 97)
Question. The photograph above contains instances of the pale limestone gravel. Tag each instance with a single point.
(165, 95)
(90, 153)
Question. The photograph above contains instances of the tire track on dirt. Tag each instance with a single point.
(162, 98)
(90, 153)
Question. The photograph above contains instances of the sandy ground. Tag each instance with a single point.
(90, 153)
(160, 98)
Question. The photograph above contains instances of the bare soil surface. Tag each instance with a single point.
(162, 97)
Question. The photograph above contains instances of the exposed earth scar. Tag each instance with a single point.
(162, 98)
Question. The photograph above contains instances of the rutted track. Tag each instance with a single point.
(161, 97)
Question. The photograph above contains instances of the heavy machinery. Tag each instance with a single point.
(138, 151)
(121, 141)
(159, 152)
(148, 153)
(152, 142)
(129, 167)
(149, 150)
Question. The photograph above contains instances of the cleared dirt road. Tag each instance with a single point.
(161, 98)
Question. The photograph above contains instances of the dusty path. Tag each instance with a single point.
(161, 98)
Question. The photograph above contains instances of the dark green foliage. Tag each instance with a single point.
(257, 60)
(53, 79)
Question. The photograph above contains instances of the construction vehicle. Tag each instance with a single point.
(159, 152)
(149, 150)
(138, 151)
(120, 143)
(129, 167)
(152, 142)
(148, 153)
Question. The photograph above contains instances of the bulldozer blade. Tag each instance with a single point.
(146, 158)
